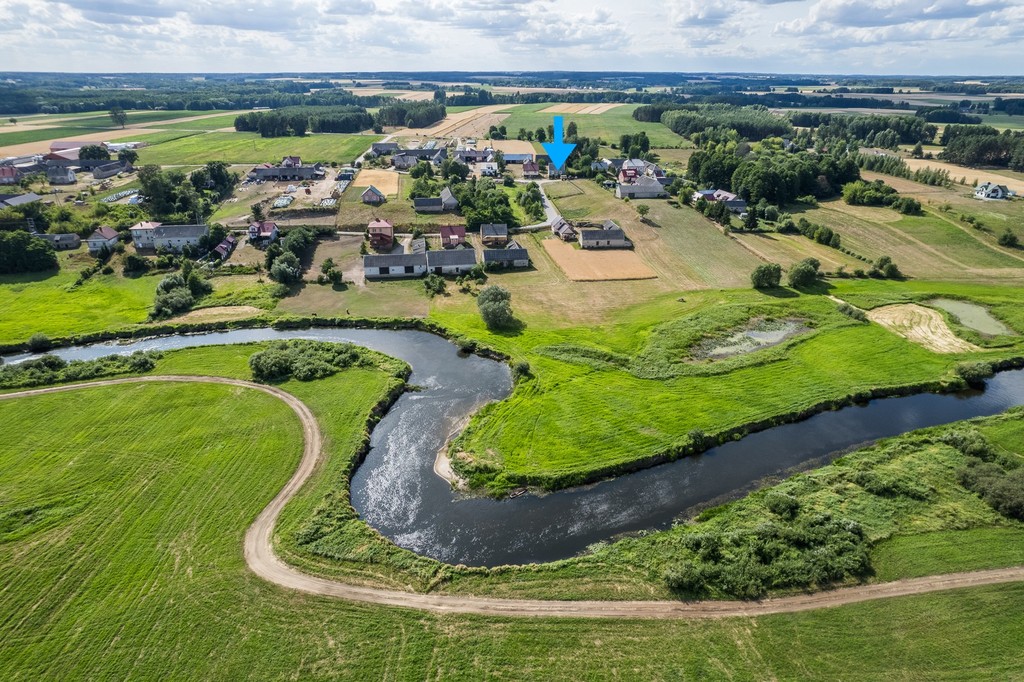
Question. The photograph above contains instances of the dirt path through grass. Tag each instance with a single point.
(261, 559)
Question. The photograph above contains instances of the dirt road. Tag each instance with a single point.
(261, 559)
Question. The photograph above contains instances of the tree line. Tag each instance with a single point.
(983, 146)
(299, 120)
(751, 122)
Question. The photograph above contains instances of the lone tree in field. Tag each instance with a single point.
(13, 121)
(495, 307)
(804, 273)
(642, 210)
(766, 276)
(118, 116)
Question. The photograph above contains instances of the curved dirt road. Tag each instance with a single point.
(260, 557)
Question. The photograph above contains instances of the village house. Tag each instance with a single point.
(142, 234)
(487, 170)
(346, 175)
(381, 234)
(518, 158)
(395, 265)
(383, 148)
(264, 231)
(403, 162)
(531, 169)
(494, 234)
(290, 168)
(9, 175)
(561, 228)
(731, 201)
(103, 237)
(60, 175)
(448, 200)
(990, 190)
(468, 156)
(451, 262)
(373, 196)
(512, 256)
(644, 187)
(110, 169)
(177, 237)
(452, 236)
(224, 249)
(62, 242)
(608, 236)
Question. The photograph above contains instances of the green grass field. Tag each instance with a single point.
(48, 304)
(251, 148)
(121, 554)
(42, 135)
(139, 117)
(608, 126)
(214, 123)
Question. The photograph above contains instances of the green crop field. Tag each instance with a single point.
(40, 135)
(608, 126)
(137, 118)
(213, 123)
(121, 554)
(251, 148)
(50, 304)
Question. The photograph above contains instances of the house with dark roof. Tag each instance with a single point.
(451, 262)
(428, 205)
(263, 231)
(468, 156)
(178, 237)
(395, 265)
(531, 169)
(403, 161)
(381, 234)
(731, 201)
(62, 242)
(512, 256)
(103, 236)
(644, 187)
(452, 236)
(448, 200)
(10, 200)
(60, 175)
(608, 236)
(372, 195)
(383, 148)
(494, 234)
(561, 228)
(110, 169)
(990, 190)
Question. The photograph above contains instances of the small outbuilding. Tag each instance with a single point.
(451, 262)
(492, 234)
(395, 265)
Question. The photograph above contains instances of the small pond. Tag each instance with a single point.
(759, 334)
(972, 315)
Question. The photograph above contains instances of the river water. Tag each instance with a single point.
(396, 491)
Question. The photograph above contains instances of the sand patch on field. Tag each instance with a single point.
(596, 266)
(579, 108)
(385, 180)
(221, 313)
(923, 326)
(510, 146)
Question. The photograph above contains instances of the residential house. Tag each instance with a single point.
(487, 170)
(384, 148)
(452, 236)
(9, 175)
(428, 205)
(372, 195)
(178, 237)
(142, 234)
(531, 169)
(448, 200)
(382, 234)
(512, 256)
(395, 265)
(990, 190)
(644, 187)
(494, 234)
(103, 236)
(608, 236)
(731, 201)
(224, 249)
(291, 162)
(403, 161)
(110, 169)
(563, 230)
(451, 262)
(264, 231)
(468, 156)
(60, 175)
(62, 242)
(10, 200)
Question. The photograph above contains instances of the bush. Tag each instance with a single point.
(1009, 240)
(39, 342)
(303, 360)
(134, 264)
(286, 269)
(766, 276)
(434, 285)
(804, 273)
(495, 307)
(50, 369)
(974, 373)
(853, 313)
(781, 504)
(521, 370)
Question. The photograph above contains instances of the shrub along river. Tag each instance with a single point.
(396, 491)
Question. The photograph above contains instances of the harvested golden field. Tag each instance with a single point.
(386, 181)
(595, 266)
(998, 176)
(579, 108)
(472, 123)
(512, 146)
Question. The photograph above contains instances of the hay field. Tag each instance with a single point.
(787, 249)
(998, 176)
(597, 266)
(923, 326)
(386, 181)
(579, 108)
(512, 146)
(472, 123)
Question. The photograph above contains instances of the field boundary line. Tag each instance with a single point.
(264, 562)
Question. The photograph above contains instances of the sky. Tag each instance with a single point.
(928, 37)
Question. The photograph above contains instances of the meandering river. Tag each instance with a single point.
(396, 491)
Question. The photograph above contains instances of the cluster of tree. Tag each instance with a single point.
(781, 178)
(299, 120)
(178, 292)
(216, 179)
(897, 167)
(634, 146)
(50, 369)
(819, 233)
(946, 115)
(795, 100)
(751, 122)
(302, 359)
(714, 210)
(481, 201)
(652, 113)
(995, 477)
(983, 146)
(804, 274)
(532, 201)
(170, 196)
(907, 129)
(410, 114)
(1012, 107)
(877, 193)
(766, 276)
(22, 252)
(495, 304)
(92, 152)
(283, 259)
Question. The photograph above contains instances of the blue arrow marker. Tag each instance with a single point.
(558, 150)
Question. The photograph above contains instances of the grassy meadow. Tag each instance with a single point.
(251, 148)
(608, 126)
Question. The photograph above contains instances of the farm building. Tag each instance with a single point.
(103, 236)
(608, 236)
(372, 195)
(518, 158)
(9, 200)
(65, 158)
(62, 242)
(990, 190)
(382, 234)
(512, 256)
(448, 200)
(468, 156)
(452, 236)
(109, 170)
(531, 169)
(290, 168)
(395, 265)
(9, 175)
(731, 201)
(64, 145)
(60, 175)
(383, 148)
(452, 262)
(403, 162)
(563, 230)
(177, 237)
(263, 231)
(428, 205)
(644, 187)
(494, 234)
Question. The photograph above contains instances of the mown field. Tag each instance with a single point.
(140, 117)
(25, 136)
(251, 148)
(121, 550)
(608, 126)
